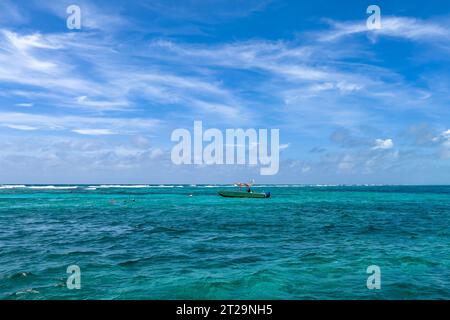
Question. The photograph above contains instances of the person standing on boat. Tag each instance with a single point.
(248, 185)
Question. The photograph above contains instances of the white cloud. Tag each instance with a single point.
(49, 63)
(307, 77)
(40, 61)
(94, 132)
(381, 144)
(20, 127)
(399, 27)
(82, 124)
(446, 134)
(443, 141)
(321, 84)
(347, 163)
(104, 18)
(156, 153)
(102, 104)
(227, 111)
(65, 155)
(24, 104)
(442, 137)
(284, 146)
(293, 73)
(306, 169)
(281, 58)
(30, 41)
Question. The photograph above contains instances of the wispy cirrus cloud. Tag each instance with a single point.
(315, 81)
(24, 104)
(20, 127)
(79, 124)
(43, 66)
(105, 17)
(397, 27)
(94, 132)
(141, 69)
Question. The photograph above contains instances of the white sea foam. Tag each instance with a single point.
(219, 186)
(325, 185)
(121, 186)
(12, 186)
(31, 290)
(136, 186)
(53, 187)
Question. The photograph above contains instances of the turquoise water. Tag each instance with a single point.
(185, 242)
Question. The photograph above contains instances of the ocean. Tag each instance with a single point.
(186, 242)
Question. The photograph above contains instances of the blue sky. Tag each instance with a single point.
(98, 105)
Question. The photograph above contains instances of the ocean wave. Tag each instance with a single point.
(30, 290)
(105, 186)
(217, 186)
(53, 187)
(121, 186)
(324, 185)
(12, 186)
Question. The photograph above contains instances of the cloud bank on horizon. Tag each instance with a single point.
(97, 105)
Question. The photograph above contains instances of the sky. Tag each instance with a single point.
(99, 104)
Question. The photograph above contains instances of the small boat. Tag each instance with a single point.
(244, 194)
(248, 193)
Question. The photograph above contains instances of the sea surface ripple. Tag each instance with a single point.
(186, 242)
